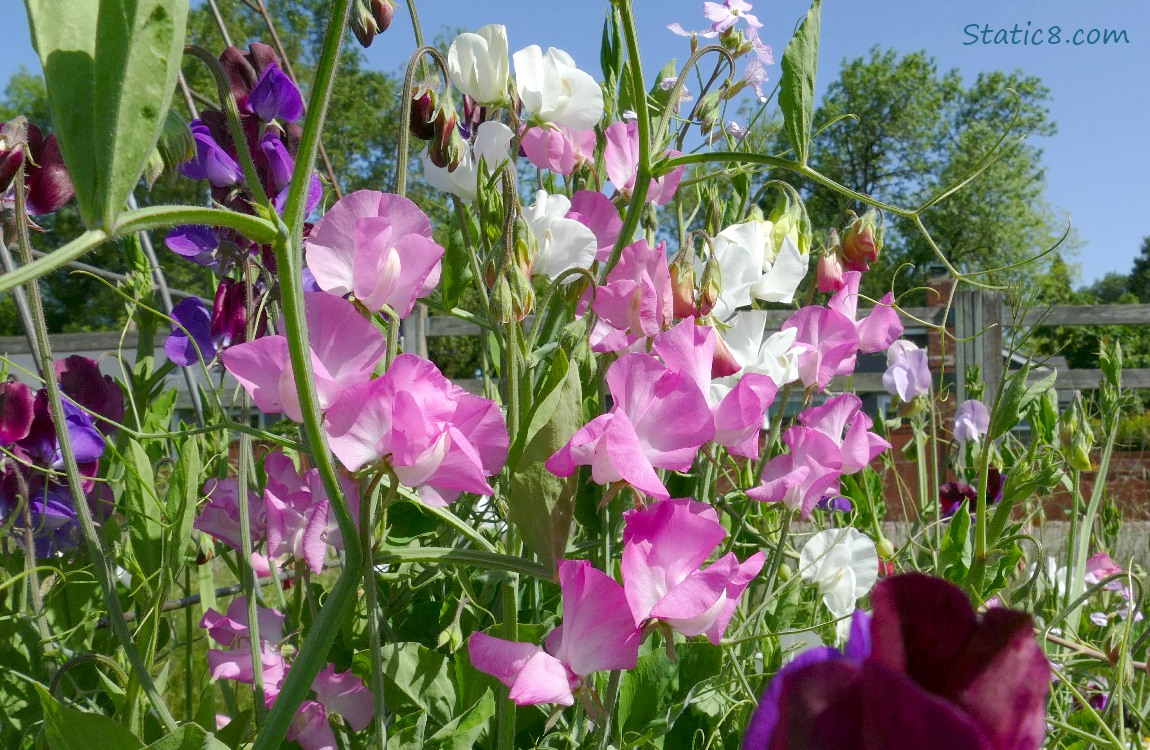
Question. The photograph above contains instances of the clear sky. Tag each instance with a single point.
(1097, 166)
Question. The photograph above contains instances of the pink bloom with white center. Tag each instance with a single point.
(690, 349)
(724, 16)
(311, 728)
(622, 157)
(378, 247)
(437, 437)
(842, 420)
(557, 147)
(971, 421)
(345, 349)
(801, 478)
(596, 212)
(665, 546)
(826, 344)
(598, 634)
(878, 330)
(659, 420)
(299, 519)
(636, 301)
(1101, 566)
(346, 695)
(220, 518)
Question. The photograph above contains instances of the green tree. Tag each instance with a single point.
(1138, 282)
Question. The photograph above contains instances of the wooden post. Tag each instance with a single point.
(993, 364)
(414, 331)
(978, 317)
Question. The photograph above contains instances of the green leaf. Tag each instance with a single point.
(142, 507)
(541, 504)
(180, 505)
(462, 732)
(68, 729)
(655, 693)
(1008, 410)
(415, 679)
(957, 552)
(188, 737)
(110, 69)
(797, 83)
(235, 730)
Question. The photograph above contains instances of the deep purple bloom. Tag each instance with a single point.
(279, 161)
(211, 162)
(935, 676)
(953, 494)
(276, 96)
(195, 242)
(836, 503)
(194, 325)
(314, 194)
(45, 176)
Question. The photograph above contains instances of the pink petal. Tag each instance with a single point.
(533, 675)
(622, 155)
(598, 632)
(258, 366)
(739, 416)
(881, 328)
(596, 211)
(346, 695)
(357, 423)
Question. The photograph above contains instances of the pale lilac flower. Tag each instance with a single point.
(346, 695)
(665, 546)
(659, 420)
(971, 421)
(434, 435)
(908, 371)
(598, 634)
(345, 349)
(378, 247)
(677, 28)
(552, 89)
(724, 16)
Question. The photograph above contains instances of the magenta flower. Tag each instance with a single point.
(16, 404)
(636, 301)
(346, 695)
(665, 546)
(596, 212)
(622, 158)
(234, 630)
(801, 478)
(298, 512)
(935, 675)
(908, 371)
(45, 176)
(557, 148)
(437, 437)
(878, 330)
(659, 420)
(826, 343)
(220, 519)
(345, 349)
(598, 634)
(378, 247)
(842, 420)
(971, 421)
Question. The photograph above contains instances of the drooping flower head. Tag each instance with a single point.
(478, 64)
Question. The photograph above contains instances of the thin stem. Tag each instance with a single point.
(366, 527)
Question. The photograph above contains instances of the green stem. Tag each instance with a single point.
(506, 710)
(366, 527)
(462, 557)
(609, 708)
(95, 549)
(289, 258)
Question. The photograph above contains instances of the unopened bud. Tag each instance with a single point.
(502, 301)
(711, 286)
(862, 241)
(885, 548)
(790, 221)
(522, 293)
(13, 138)
(526, 246)
(683, 284)
(1077, 437)
(423, 111)
(447, 148)
(830, 269)
(723, 363)
(371, 17)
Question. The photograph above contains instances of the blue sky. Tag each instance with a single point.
(1096, 167)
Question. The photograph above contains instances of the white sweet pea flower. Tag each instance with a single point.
(757, 262)
(492, 146)
(773, 356)
(844, 565)
(562, 243)
(552, 89)
(478, 64)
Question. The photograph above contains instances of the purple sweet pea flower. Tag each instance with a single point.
(971, 421)
(953, 494)
(192, 329)
(279, 161)
(195, 242)
(981, 687)
(314, 195)
(43, 445)
(276, 96)
(81, 381)
(211, 162)
(45, 176)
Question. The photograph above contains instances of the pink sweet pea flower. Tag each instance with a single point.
(665, 546)
(622, 158)
(801, 478)
(842, 420)
(826, 343)
(345, 349)
(220, 518)
(233, 630)
(659, 420)
(596, 212)
(689, 349)
(346, 695)
(236, 664)
(636, 301)
(437, 437)
(557, 148)
(311, 728)
(598, 633)
(299, 518)
(378, 247)
(878, 330)
(1101, 566)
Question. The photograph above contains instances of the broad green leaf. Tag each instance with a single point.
(68, 729)
(188, 737)
(142, 507)
(797, 83)
(460, 733)
(956, 553)
(415, 679)
(110, 67)
(541, 504)
(657, 690)
(1008, 410)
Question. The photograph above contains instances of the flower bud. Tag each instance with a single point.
(885, 548)
(447, 148)
(423, 112)
(13, 138)
(1077, 437)
(830, 268)
(683, 284)
(862, 241)
(723, 363)
(789, 220)
(371, 17)
(712, 286)
(522, 293)
(525, 244)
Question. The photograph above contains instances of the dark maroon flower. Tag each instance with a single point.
(371, 17)
(45, 175)
(953, 494)
(275, 96)
(16, 400)
(13, 138)
(229, 314)
(936, 676)
(81, 380)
